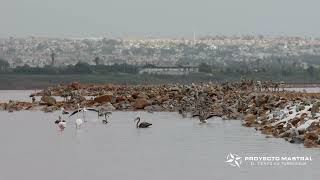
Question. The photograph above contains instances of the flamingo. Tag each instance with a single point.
(61, 123)
(106, 116)
(103, 112)
(142, 124)
(79, 121)
(203, 116)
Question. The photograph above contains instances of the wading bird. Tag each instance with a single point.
(102, 112)
(203, 116)
(83, 110)
(79, 121)
(183, 112)
(64, 111)
(142, 124)
(105, 111)
(61, 123)
(106, 116)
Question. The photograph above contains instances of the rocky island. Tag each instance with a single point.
(265, 106)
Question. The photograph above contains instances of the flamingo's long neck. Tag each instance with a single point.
(78, 111)
(138, 122)
(83, 114)
(78, 115)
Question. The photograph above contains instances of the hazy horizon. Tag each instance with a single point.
(151, 18)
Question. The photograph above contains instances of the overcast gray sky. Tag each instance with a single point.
(160, 18)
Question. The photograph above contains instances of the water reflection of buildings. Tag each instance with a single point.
(178, 70)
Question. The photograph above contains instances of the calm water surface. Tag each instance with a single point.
(23, 95)
(18, 95)
(32, 148)
(309, 89)
(173, 148)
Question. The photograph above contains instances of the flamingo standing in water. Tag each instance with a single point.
(204, 116)
(105, 111)
(102, 112)
(79, 121)
(106, 116)
(61, 123)
(142, 124)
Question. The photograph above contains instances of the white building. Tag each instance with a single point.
(169, 70)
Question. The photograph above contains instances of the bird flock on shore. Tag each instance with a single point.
(61, 123)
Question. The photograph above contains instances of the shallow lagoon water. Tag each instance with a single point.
(23, 95)
(308, 90)
(17, 95)
(173, 148)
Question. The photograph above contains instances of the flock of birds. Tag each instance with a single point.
(61, 123)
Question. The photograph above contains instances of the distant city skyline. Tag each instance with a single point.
(155, 18)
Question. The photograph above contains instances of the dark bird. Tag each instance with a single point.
(142, 124)
(82, 110)
(204, 116)
(105, 111)
(101, 112)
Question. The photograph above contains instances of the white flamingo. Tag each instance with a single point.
(61, 123)
(79, 121)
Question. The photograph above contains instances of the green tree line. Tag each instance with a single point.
(79, 68)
